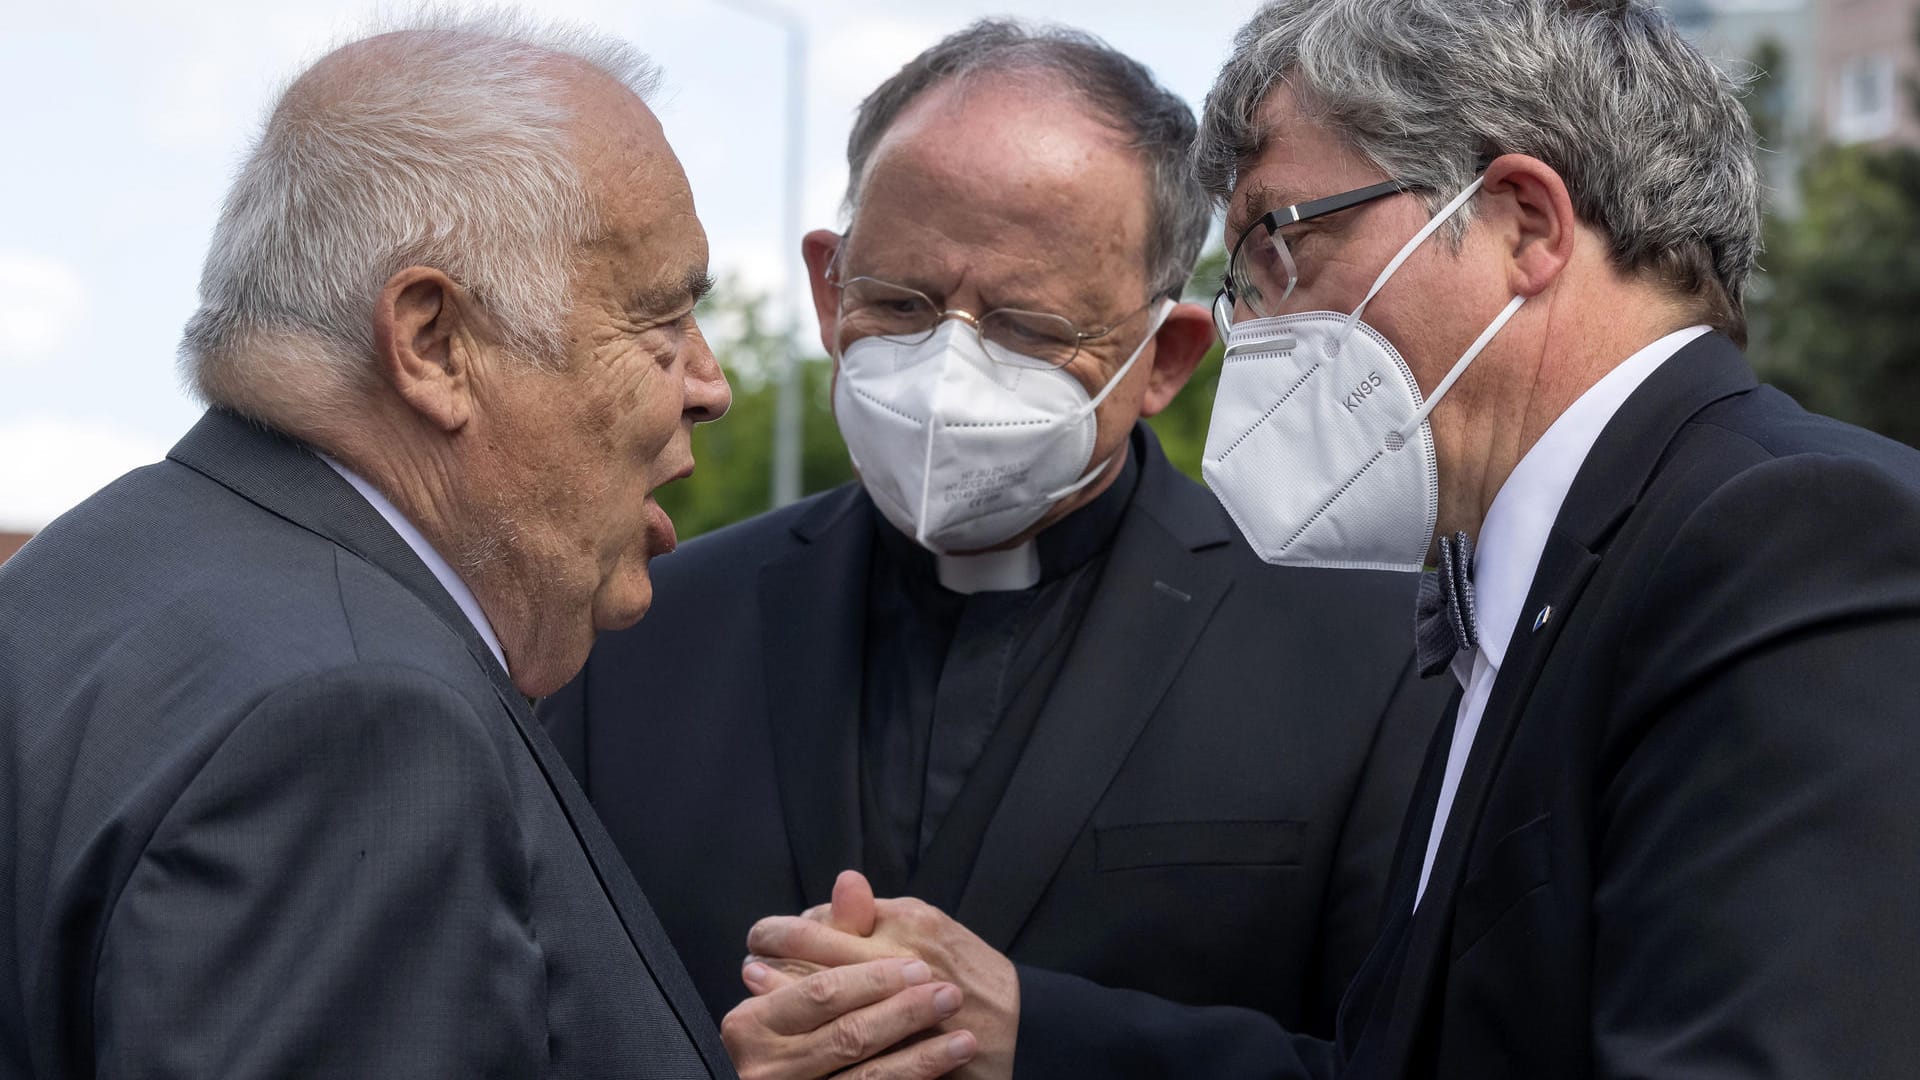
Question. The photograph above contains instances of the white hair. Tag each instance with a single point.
(446, 141)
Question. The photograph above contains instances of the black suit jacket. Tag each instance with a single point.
(1204, 811)
(1687, 839)
(272, 808)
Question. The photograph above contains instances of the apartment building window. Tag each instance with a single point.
(1866, 98)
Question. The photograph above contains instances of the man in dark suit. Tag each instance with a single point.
(1034, 712)
(275, 802)
(1671, 828)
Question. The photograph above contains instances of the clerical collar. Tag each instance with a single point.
(1060, 549)
(991, 571)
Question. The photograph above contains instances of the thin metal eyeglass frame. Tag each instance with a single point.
(1275, 220)
(976, 321)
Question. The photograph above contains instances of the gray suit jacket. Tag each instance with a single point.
(272, 808)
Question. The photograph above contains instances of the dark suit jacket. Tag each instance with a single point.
(271, 808)
(1687, 840)
(1204, 811)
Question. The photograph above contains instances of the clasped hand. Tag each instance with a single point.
(872, 990)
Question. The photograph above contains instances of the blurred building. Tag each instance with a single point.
(1825, 70)
(12, 542)
(1773, 44)
(1867, 53)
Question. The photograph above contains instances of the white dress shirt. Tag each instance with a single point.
(1511, 541)
(442, 572)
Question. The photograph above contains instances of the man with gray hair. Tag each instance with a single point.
(1005, 673)
(1488, 262)
(275, 803)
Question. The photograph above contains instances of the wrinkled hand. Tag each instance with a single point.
(849, 1016)
(856, 929)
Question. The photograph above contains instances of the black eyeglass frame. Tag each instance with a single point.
(1275, 220)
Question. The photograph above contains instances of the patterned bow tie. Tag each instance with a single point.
(1443, 622)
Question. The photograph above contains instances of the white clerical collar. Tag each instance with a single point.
(991, 571)
(442, 572)
(1515, 532)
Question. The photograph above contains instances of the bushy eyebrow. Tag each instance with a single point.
(1256, 201)
(689, 290)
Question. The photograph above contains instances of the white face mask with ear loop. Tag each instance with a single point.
(1319, 446)
(962, 452)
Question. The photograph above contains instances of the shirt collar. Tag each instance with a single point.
(1515, 532)
(442, 572)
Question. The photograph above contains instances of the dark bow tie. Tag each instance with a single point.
(1443, 622)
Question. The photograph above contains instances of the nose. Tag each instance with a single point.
(708, 395)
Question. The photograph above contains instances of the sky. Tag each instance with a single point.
(122, 124)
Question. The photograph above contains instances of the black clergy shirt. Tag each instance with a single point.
(954, 682)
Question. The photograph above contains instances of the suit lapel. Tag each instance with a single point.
(1362, 1004)
(1607, 487)
(1152, 602)
(813, 604)
(643, 928)
(1565, 568)
(287, 479)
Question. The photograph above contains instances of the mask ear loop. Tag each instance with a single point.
(1346, 329)
(1159, 319)
(1398, 438)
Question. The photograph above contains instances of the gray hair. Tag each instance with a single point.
(445, 142)
(1116, 88)
(1650, 136)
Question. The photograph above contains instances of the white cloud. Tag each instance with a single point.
(49, 463)
(41, 301)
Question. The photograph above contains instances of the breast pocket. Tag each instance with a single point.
(1518, 864)
(1199, 843)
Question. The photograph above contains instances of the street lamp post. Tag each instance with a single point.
(787, 412)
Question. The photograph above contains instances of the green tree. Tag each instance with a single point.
(1842, 304)
(1836, 315)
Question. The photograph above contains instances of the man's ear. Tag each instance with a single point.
(1528, 204)
(419, 348)
(818, 249)
(1179, 346)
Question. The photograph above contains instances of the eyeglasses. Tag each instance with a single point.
(1261, 272)
(870, 307)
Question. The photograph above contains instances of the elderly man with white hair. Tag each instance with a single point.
(273, 797)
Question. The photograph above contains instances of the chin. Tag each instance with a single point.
(623, 601)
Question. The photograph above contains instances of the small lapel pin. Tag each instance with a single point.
(1545, 616)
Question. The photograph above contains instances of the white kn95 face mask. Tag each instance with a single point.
(961, 452)
(1319, 446)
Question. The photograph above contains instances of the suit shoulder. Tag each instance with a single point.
(167, 580)
(1753, 429)
(1768, 528)
(1759, 459)
(179, 568)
